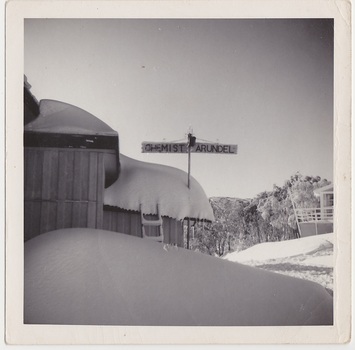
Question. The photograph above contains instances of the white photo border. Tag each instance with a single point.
(18, 333)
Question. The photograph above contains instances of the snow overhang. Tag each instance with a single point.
(148, 184)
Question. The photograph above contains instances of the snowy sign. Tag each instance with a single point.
(161, 147)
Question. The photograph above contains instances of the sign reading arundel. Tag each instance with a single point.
(161, 147)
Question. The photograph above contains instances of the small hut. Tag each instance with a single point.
(154, 200)
(70, 156)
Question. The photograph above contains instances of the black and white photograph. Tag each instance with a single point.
(179, 172)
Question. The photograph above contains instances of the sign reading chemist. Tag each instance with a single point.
(216, 148)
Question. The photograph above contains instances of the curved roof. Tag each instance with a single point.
(63, 118)
(151, 184)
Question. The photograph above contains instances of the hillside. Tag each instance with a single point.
(309, 258)
(95, 277)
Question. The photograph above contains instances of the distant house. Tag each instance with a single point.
(75, 176)
(314, 221)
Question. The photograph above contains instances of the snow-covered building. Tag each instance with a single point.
(314, 221)
(69, 157)
(161, 193)
(75, 176)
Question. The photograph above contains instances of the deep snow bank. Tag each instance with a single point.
(148, 184)
(283, 249)
(86, 276)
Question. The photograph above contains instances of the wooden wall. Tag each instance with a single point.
(129, 222)
(63, 189)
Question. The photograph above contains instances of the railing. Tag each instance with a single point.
(315, 214)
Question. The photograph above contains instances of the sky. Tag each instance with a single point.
(263, 84)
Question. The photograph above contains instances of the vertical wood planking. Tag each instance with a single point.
(120, 222)
(92, 182)
(29, 220)
(92, 176)
(48, 216)
(100, 190)
(27, 171)
(53, 216)
(114, 221)
(91, 214)
(100, 178)
(68, 185)
(83, 220)
(76, 176)
(54, 174)
(62, 164)
(36, 175)
(180, 234)
(134, 225)
(33, 216)
(69, 175)
(130, 223)
(166, 230)
(44, 216)
(68, 215)
(61, 188)
(60, 214)
(77, 206)
(106, 220)
(47, 175)
(84, 183)
(174, 231)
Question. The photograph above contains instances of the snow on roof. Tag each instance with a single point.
(328, 188)
(63, 118)
(151, 184)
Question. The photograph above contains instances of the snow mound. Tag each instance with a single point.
(63, 118)
(151, 184)
(96, 277)
(283, 249)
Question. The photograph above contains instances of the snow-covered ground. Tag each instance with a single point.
(309, 258)
(87, 276)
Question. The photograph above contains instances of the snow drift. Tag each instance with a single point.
(95, 277)
(150, 184)
(282, 249)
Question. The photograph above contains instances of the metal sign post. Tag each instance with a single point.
(191, 143)
(190, 147)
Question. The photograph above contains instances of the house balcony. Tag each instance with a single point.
(315, 215)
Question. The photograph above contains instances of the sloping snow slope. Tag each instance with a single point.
(151, 184)
(86, 276)
(309, 258)
(60, 117)
(283, 249)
